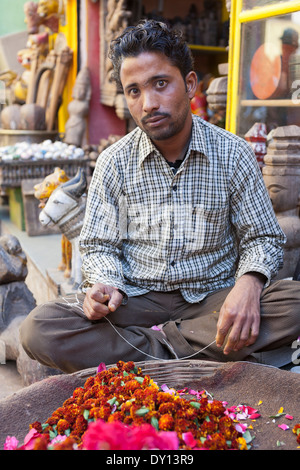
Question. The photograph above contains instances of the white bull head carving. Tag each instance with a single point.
(66, 208)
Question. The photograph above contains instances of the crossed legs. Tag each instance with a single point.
(58, 334)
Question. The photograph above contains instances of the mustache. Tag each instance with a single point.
(153, 115)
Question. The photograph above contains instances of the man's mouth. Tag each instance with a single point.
(154, 120)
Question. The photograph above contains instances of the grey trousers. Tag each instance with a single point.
(58, 334)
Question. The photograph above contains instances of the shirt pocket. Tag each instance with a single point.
(207, 228)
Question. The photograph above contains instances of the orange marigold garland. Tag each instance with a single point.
(296, 430)
(120, 400)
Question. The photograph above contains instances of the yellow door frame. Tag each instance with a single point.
(237, 18)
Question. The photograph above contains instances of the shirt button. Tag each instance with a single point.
(175, 187)
(172, 263)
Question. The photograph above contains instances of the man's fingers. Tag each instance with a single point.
(100, 300)
(99, 296)
(242, 335)
(224, 324)
(115, 300)
(95, 309)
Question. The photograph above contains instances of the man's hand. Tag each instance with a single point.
(100, 300)
(240, 313)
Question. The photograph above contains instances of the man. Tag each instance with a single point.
(180, 241)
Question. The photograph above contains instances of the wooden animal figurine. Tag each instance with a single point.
(42, 192)
(66, 208)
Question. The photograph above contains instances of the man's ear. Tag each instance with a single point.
(191, 84)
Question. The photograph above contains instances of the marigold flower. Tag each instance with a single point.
(62, 426)
(102, 412)
(167, 408)
(296, 430)
(208, 427)
(40, 443)
(131, 386)
(242, 443)
(66, 444)
(90, 381)
(217, 408)
(78, 395)
(216, 442)
(166, 422)
(80, 425)
(37, 426)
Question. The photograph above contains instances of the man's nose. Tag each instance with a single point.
(150, 102)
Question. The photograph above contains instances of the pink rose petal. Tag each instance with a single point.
(101, 367)
(189, 439)
(166, 389)
(241, 427)
(289, 417)
(254, 416)
(283, 426)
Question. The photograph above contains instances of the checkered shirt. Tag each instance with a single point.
(197, 230)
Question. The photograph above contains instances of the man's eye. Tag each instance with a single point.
(161, 83)
(133, 91)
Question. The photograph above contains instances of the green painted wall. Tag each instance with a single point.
(12, 16)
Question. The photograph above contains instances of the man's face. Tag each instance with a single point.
(157, 96)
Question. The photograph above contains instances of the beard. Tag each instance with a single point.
(170, 127)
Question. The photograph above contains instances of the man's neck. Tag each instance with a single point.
(174, 148)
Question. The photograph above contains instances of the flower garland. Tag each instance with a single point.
(122, 409)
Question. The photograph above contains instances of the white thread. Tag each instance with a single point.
(77, 304)
(153, 357)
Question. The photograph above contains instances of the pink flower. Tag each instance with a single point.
(101, 367)
(115, 435)
(189, 439)
(145, 437)
(11, 443)
(101, 435)
(29, 440)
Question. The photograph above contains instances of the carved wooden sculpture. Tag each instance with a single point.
(114, 19)
(78, 109)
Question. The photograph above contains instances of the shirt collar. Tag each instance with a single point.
(197, 143)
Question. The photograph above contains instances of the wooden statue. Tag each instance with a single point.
(46, 71)
(66, 208)
(62, 67)
(42, 192)
(114, 19)
(44, 13)
(78, 108)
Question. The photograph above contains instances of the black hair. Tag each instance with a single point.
(151, 36)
